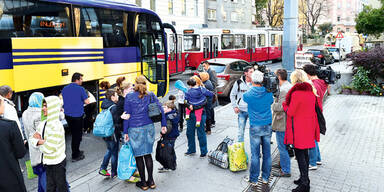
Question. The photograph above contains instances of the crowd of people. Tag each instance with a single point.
(291, 115)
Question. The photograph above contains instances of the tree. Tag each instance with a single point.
(325, 28)
(312, 10)
(370, 21)
(260, 8)
(274, 12)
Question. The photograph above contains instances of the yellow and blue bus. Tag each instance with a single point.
(43, 42)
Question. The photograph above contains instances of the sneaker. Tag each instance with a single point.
(104, 172)
(113, 175)
(136, 174)
(203, 155)
(163, 170)
(198, 124)
(79, 158)
(133, 180)
(264, 181)
(281, 174)
(312, 167)
(319, 163)
(189, 153)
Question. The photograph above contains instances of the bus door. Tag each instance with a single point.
(210, 47)
(172, 61)
(180, 66)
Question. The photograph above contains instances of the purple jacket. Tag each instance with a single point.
(138, 109)
(197, 96)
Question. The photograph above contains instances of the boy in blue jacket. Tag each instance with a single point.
(170, 135)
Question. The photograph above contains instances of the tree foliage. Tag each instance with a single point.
(274, 12)
(260, 8)
(370, 21)
(325, 28)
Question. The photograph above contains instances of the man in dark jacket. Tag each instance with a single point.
(213, 79)
(11, 148)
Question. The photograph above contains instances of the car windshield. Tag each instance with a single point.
(333, 50)
(217, 67)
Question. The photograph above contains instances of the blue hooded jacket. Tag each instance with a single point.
(259, 106)
(173, 124)
(196, 96)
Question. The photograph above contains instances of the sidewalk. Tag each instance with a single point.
(352, 150)
(192, 174)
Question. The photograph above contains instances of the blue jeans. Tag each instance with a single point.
(314, 155)
(112, 152)
(191, 129)
(40, 171)
(242, 118)
(285, 161)
(260, 135)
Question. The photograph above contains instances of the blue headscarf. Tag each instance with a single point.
(36, 100)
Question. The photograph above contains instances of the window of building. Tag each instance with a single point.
(183, 7)
(138, 3)
(243, 1)
(170, 7)
(253, 3)
(191, 42)
(234, 16)
(212, 14)
(339, 4)
(153, 5)
(347, 29)
(235, 1)
(254, 20)
(227, 41)
(338, 29)
(196, 8)
(338, 18)
(224, 16)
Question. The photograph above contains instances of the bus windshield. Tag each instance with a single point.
(192, 42)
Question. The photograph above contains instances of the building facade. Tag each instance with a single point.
(183, 14)
(238, 14)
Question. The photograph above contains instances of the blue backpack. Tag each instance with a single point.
(103, 126)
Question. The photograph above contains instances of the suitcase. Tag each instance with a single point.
(219, 156)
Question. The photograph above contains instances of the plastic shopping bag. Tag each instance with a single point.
(30, 174)
(237, 157)
(126, 164)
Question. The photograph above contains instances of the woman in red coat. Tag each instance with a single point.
(302, 126)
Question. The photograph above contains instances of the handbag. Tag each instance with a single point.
(219, 156)
(165, 154)
(30, 173)
(320, 119)
(153, 110)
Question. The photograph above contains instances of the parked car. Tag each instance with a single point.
(228, 71)
(321, 56)
(338, 54)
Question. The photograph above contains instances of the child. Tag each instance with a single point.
(172, 98)
(50, 138)
(181, 107)
(196, 98)
(170, 135)
(112, 142)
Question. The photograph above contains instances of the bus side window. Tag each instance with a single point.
(114, 29)
(89, 24)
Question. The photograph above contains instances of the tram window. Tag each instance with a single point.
(239, 41)
(254, 41)
(261, 40)
(89, 24)
(159, 43)
(113, 27)
(273, 39)
(22, 18)
(227, 41)
(191, 42)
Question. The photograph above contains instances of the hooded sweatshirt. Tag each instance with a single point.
(52, 131)
(259, 106)
(196, 96)
(115, 115)
(31, 119)
(172, 125)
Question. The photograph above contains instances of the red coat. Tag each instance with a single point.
(301, 117)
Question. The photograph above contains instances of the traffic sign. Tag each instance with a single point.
(339, 35)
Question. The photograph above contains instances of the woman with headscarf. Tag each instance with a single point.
(204, 76)
(31, 119)
(302, 125)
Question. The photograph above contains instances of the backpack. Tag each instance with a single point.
(103, 126)
(219, 156)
